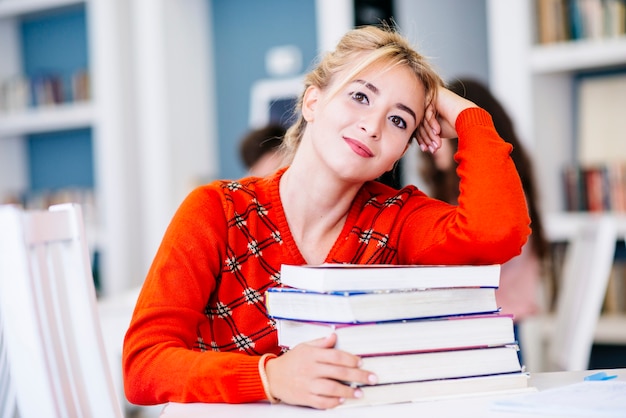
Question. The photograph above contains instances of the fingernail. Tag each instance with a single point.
(358, 393)
(373, 379)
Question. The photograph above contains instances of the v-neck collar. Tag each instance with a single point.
(285, 232)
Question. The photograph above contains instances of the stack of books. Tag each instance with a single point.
(427, 332)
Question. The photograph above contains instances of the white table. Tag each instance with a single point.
(470, 407)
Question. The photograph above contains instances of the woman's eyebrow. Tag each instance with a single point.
(369, 86)
(407, 110)
(375, 90)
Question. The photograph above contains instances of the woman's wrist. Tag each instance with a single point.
(263, 374)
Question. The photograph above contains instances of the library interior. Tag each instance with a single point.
(123, 107)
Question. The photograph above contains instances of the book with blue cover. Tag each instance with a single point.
(382, 305)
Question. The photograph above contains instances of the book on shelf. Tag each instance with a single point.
(354, 277)
(377, 305)
(600, 103)
(563, 20)
(595, 188)
(19, 92)
(378, 338)
(552, 21)
(615, 297)
(432, 365)
(439, 389)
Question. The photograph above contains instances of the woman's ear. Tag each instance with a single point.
(309, 103)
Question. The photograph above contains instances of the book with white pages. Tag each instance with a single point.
(431, 390)
(353, 277)
(377, 338)
(448, 364)
(363, 306)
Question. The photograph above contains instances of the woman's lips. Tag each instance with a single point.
(359, 148)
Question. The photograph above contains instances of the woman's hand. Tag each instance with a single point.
(440, 119)
(311, 373)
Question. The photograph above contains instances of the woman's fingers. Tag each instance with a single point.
(428, 139)
(326, 342)
(428, 133)
(315, 374)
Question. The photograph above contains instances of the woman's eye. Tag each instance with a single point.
(360, 97)
(398, 121)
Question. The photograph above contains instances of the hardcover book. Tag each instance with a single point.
(439, 389)
(360, 306)
(432, 365)
(377, 338)
(351, 277)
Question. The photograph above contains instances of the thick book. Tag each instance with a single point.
(448, 333)
(442, 389)
(351, 277)
(433, 365)
(374, 306)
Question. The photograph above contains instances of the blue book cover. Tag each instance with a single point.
(378, 306)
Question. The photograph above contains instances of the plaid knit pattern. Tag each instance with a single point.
(236, 313)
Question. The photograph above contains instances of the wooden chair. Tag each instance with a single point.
(52, 357)
(562, 341)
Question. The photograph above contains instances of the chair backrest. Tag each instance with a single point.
(586, 271)
(52, 356)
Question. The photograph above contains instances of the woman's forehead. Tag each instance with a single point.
(356, 71)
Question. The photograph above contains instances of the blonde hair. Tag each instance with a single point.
(358, 50)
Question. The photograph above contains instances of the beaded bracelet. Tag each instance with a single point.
(266, 386)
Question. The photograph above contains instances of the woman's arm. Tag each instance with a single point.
(491, 222)
(162, 358)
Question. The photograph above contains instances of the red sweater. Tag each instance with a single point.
(200, 323)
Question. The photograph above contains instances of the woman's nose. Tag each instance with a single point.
(371, 123)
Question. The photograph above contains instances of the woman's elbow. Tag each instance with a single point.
(504, 244)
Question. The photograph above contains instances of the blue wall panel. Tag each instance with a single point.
(244, 30)
(60, 159)
(56, 43)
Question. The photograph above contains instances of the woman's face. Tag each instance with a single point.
(362, 130)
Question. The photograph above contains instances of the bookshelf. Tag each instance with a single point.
(23, 125)
(60, 117)
(149, 118)
(537, 84)
(26, 123)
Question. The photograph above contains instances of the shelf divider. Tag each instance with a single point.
(12, 8)
(579, 55)
(44, 119)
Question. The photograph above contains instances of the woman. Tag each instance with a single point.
(200, 331)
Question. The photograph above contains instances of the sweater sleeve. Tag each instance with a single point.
(490, 224)
(163, 357)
